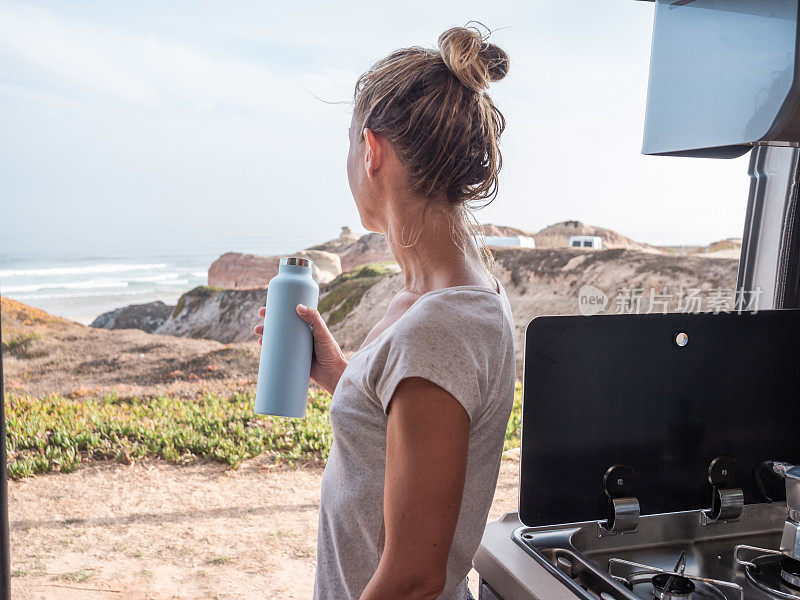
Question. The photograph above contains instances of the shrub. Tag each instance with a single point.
(17, 344)
(514, 426)
(345, 292)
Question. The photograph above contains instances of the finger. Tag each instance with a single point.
(260, 340)
(262, 311)
(259, 330)
(310, 315)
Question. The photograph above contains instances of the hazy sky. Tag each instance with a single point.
(149, 124)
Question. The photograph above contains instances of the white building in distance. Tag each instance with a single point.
(510, 241)
(595, 242)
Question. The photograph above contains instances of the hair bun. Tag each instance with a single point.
(471, 58)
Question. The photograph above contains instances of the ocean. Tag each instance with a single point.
(81, 286)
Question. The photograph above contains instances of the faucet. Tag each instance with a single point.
(790, 541)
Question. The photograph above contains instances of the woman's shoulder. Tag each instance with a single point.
(461, 299)
(471, 311)
(469, 300)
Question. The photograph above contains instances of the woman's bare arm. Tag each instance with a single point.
(426, 457)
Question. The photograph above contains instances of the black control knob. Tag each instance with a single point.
(618, 481)
(723, 473)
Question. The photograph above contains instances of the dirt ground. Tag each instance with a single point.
(157, 531)
(67, 358)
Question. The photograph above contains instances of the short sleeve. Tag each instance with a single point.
(453, 345)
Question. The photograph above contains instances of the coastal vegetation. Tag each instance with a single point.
(201, 291)
(17, 344)
(345, 292)
(514, 426)
(54, 433)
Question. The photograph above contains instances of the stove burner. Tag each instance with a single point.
(646, 581)
(790, 572)
(672, 587)
(770, 571)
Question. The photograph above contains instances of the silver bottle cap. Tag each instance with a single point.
(296, 260)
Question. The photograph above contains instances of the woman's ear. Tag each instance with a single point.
(373, 155)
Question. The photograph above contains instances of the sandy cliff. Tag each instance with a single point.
(358, 250)
(215, 314)
(541, 281)
(548, 282)
(237, 271)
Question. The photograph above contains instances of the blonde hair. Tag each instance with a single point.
(431, 104)
(433, 107)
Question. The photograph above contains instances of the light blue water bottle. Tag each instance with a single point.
(286, 348)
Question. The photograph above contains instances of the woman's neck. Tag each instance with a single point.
(433, 246)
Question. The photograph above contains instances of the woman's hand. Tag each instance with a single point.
(328, 362)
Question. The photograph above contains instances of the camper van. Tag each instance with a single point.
(594, 242)
(661, 452)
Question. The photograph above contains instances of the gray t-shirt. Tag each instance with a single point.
(460, 338)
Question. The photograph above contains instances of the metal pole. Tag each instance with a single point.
(770, 260)
(5, 557)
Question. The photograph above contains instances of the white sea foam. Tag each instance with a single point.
(81, 270)
(69, 285)
(174, 282)
(161, 277)
(86, 295)
(92, 284)
(91, 287)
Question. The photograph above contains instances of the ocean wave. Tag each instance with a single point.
(69, 285)
(174, 282)
(155, 278)
(81, 270)
(85, 295)
(95, 284)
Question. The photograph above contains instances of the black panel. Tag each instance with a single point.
(788, 286)
(718, 152)
(610, 389)
(485, 592)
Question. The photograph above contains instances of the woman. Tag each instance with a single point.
(419, 412)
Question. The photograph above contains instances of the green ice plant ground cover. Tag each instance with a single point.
(53, 433)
